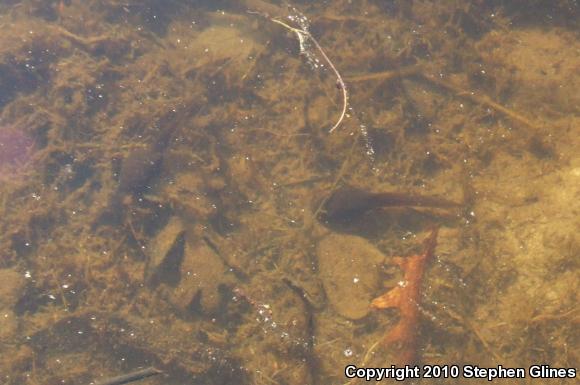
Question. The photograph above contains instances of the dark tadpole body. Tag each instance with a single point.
(138, 169)
(349, 203)
(141, 166)
(135, 176)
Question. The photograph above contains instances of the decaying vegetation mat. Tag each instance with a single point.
(161, 201)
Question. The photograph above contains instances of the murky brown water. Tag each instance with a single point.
(250, 193)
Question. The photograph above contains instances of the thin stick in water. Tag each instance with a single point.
(131, 377)
(303, 35)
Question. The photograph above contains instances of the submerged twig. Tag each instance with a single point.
(556, 316)
(469, 325)
(387, 75)
(303, 35)
(131, 377)
(416, 70)
(481, 99)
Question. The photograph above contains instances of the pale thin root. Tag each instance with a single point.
(304, 33)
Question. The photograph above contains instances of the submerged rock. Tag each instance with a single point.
(163, 246)
(202, 273)
(348, 269)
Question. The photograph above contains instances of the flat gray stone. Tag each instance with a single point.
(349, 267)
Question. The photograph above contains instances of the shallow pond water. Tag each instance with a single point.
(166, 169)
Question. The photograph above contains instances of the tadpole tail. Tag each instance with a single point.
(389, 199)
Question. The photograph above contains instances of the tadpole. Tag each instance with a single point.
(350, 203)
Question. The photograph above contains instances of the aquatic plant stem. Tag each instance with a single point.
(301, 33)
(131, 377)
(481, 99)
